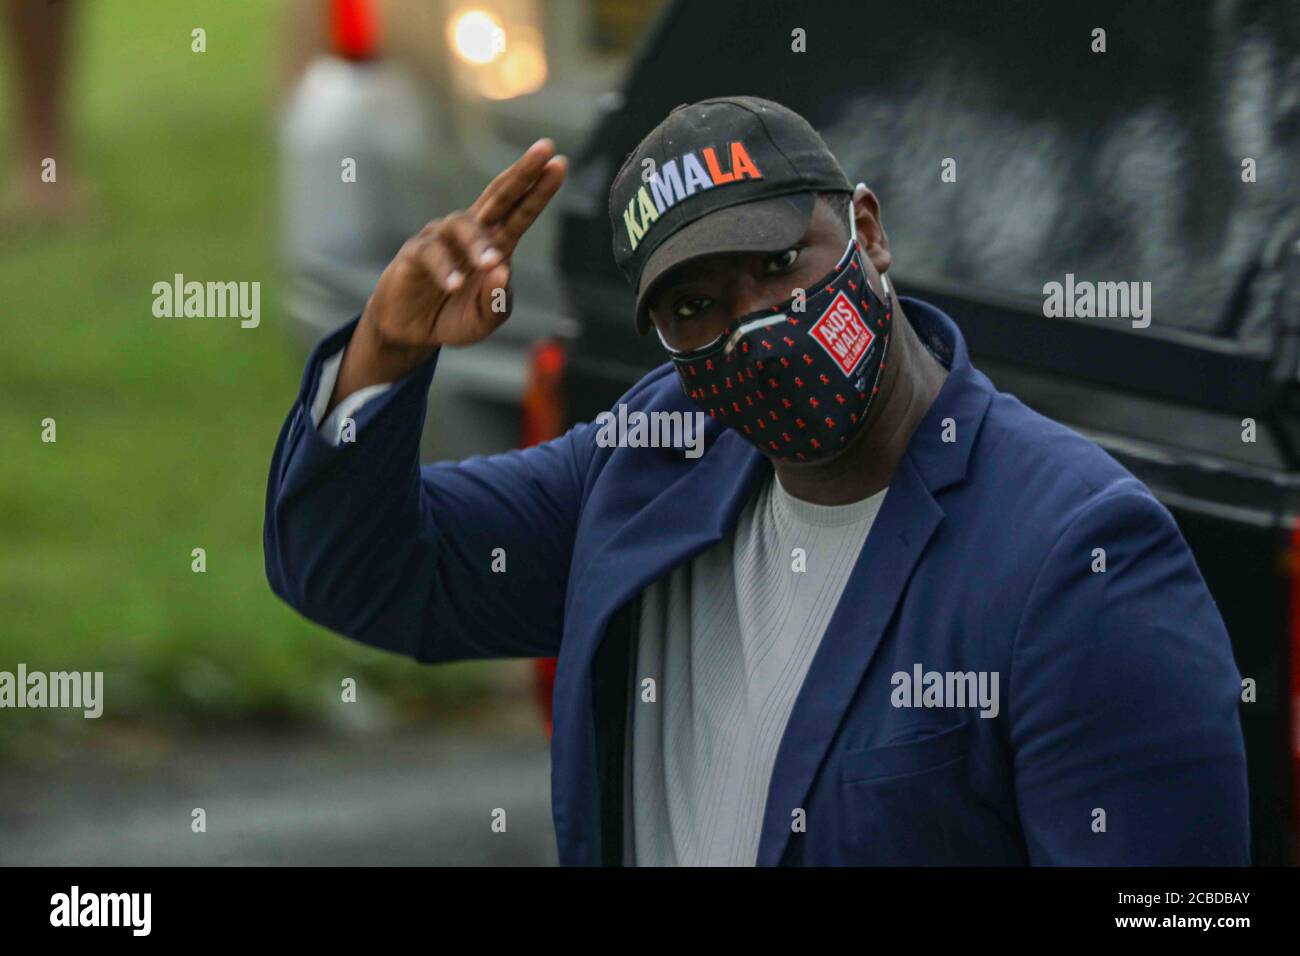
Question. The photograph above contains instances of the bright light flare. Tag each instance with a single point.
(477, 37)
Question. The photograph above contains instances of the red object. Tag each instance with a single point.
(544, 683)
(541, 419)
(542, 408)
(354, 28)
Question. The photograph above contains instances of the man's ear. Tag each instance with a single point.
(866, 210)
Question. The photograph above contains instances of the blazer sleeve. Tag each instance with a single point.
(450, 561)
(1123, 700)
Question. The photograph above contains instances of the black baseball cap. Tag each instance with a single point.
(728, 174)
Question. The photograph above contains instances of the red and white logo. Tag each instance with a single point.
(843, 334)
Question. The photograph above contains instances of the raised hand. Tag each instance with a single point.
(450, 283)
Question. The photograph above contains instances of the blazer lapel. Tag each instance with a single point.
(695, 505)
(893, 547)
(689, 514)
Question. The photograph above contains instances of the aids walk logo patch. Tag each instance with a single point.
(843, 334)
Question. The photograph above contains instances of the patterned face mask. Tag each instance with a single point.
(797, 384)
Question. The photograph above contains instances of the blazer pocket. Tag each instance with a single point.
(912, 756)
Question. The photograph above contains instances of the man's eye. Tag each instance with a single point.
(690, 307)
(782, 260)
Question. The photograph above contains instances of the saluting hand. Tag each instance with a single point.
(450, 283)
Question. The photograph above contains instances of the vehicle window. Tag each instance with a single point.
(1123, 166)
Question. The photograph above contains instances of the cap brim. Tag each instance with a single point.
(763, 225)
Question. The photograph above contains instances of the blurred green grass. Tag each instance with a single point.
(165, 426)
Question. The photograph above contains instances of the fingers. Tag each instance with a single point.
(469, 242)
(512, 183)
(451, 249)
(442, 267)
(524, 213)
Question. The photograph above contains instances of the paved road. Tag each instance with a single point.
(411, 798)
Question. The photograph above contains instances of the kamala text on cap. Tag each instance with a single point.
(669, 186)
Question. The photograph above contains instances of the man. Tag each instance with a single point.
(889, 616)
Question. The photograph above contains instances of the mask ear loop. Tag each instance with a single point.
(667, 347)
(853, 238)
(678, 352)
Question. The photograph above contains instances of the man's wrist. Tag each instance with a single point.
(370, 359)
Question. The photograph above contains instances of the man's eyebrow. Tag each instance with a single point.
(680, 276)
(666, 286)
(700, 269)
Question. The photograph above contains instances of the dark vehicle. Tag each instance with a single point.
(1163, 150)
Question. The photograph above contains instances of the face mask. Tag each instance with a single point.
(797, 384)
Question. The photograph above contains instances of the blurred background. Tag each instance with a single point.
(230, 163)
(225, 165)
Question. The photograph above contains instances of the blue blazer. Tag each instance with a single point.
(1117, 739)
